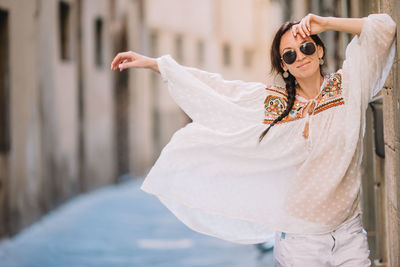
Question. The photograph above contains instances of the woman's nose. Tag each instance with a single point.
(300, 56)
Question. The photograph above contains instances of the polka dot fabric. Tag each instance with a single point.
(218, 180)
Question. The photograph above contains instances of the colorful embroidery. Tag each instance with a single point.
(331, 95)
(275, 104)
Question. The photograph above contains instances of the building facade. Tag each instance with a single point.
(57, 136)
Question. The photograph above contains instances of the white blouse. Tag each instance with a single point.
(218, 180)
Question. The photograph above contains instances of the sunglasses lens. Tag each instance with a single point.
(289, 57)
(307, 48)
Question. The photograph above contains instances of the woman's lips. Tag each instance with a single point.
(303, 64)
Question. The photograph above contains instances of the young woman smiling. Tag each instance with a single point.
(228, 176)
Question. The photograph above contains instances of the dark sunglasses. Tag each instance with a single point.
(290, 56)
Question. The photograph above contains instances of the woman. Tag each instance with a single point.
(227, 175)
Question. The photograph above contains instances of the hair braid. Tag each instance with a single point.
(291, 91)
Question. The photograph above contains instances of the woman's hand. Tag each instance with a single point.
(125, 60)
(309, 25)
(313, 24)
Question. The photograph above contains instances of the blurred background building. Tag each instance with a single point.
(68, 124)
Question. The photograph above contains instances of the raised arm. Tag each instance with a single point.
(349, 25)
(249, 95)
(372, 54)
(207, 98)
(314, 24)
(245, 94)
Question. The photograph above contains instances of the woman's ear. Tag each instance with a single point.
(320, 51)
(283, 66)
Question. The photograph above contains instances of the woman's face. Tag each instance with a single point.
(305, 65)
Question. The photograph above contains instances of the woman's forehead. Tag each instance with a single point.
(288, 41)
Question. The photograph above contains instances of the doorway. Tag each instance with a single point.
(121, 100)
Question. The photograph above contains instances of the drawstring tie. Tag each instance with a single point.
(306, 130)
(309, 113)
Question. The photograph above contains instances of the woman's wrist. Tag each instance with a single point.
(329, 22)
(153, 65)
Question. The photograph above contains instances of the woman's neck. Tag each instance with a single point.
(309, 87)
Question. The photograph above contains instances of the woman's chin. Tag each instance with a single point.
(305, 73)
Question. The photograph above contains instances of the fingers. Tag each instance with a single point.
(308, 24)
(303, 27)
(121, 58)
(127, 65)
(304, 30)
(123, 65)
(294, 30)
(298, 28)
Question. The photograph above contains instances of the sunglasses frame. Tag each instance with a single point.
(301, 48)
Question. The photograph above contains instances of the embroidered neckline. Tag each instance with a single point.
(330, 96)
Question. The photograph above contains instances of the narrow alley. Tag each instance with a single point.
(121, 226)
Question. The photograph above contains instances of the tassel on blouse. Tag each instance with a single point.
(307, 125)
(305, 131)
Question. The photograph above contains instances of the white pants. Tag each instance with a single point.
(345, 246)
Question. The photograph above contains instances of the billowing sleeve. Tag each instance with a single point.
(369, 57)
(210, 100)
(246, 94)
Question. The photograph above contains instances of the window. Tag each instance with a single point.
(99, 41)
(154, 44)
(179, 48)
(156, 114)
(200, 52)
(247, 57)
(226, 54)
(154, 87)
(287, 10)
(4, 84)
(64, 11)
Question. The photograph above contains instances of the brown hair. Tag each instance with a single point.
(290, 81)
